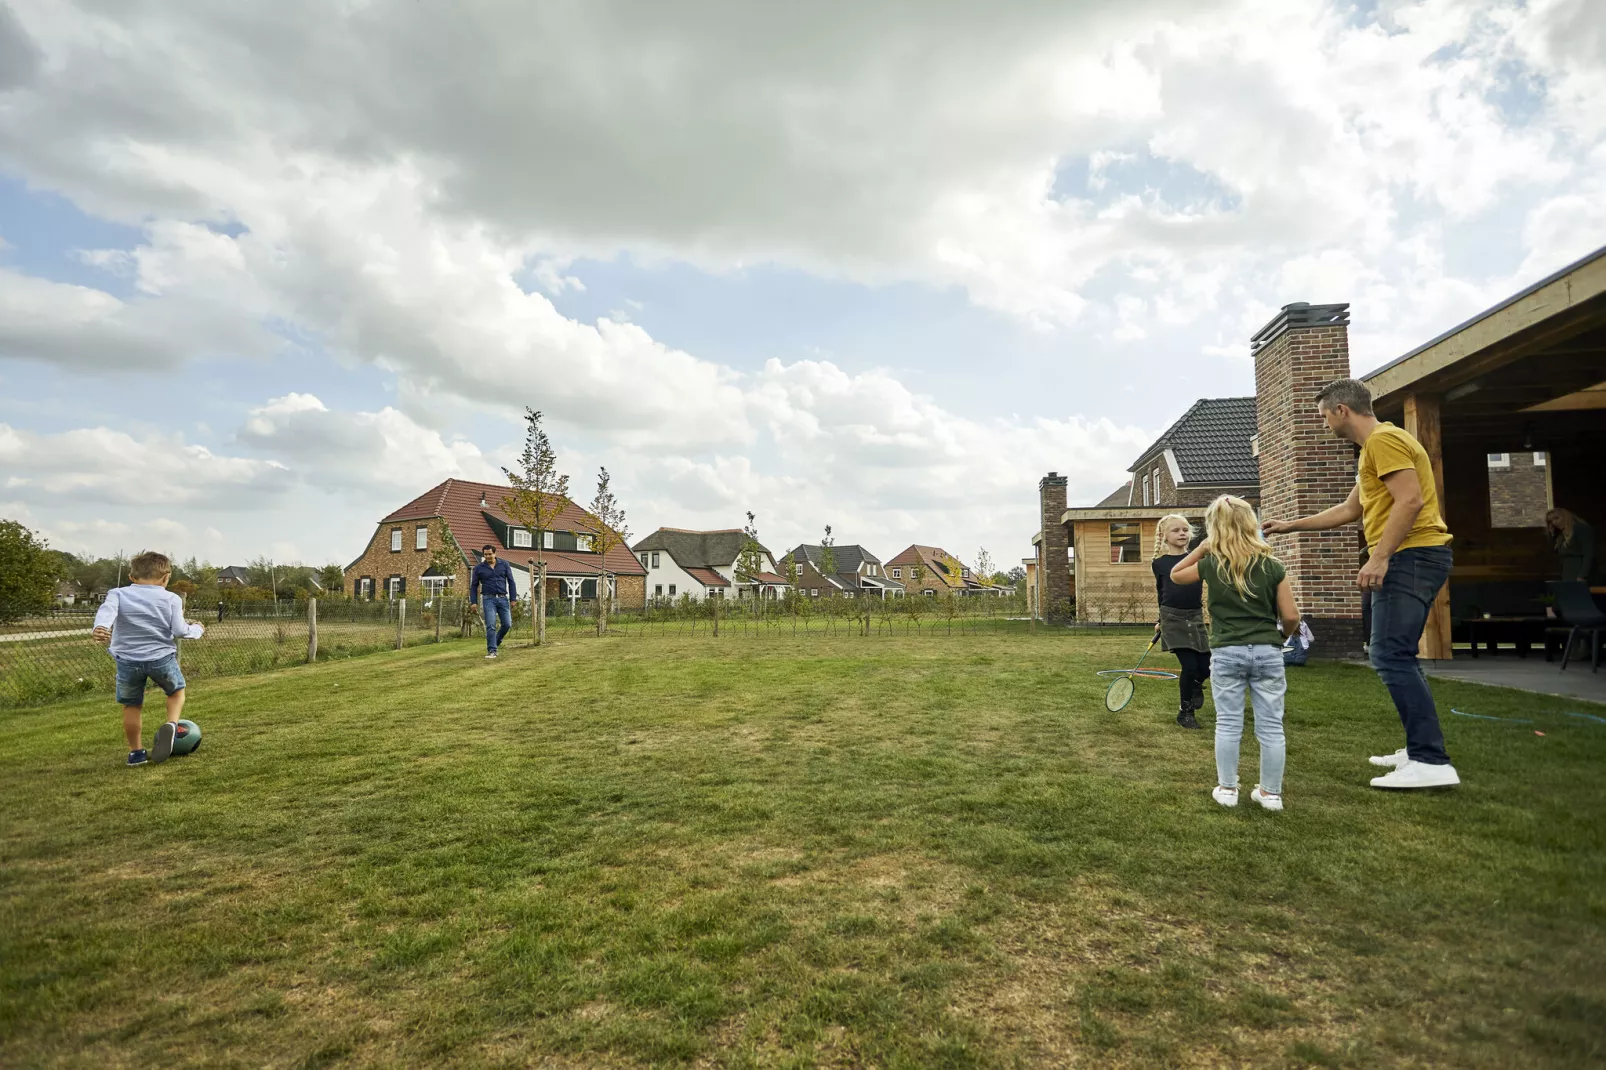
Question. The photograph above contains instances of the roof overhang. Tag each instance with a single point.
(1524, 355)
(1128, 513)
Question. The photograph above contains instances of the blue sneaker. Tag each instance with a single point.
(138, 757)
(162, 749)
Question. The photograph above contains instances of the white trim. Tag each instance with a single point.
(1172, 467)
(1499, 460)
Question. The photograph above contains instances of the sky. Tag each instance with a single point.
(270, 270)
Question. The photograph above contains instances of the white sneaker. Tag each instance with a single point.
(1266, 799)
(1390, 761)
(490, 656)
(1418, 775)
(1225, 796)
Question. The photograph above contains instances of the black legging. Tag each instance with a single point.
(1195, 671)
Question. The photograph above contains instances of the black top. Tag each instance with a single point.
(1172, 594)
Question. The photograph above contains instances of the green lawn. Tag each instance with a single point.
(823, 852)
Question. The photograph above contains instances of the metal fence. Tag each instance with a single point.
(54, 656)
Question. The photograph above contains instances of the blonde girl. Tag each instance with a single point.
(1249, 595)
(1574, 541)
(1180, 625)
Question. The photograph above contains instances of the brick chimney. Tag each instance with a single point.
(1053, 551)
(1305, 469)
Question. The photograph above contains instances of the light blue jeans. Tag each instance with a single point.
(1258, 670)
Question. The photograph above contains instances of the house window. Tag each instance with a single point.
(655, 559)
(1155, 483)
(395, 540)
(929, 591)
(582, 543)
(671, 586)
(897, 573)
(1539, 459)
(365, 588)
(658, 589)
(1145, 490)
(1125, 542)
(394, 587)
(1499, 460)
(437, 585)
(421, 538)
(521, 538)
(814, 592)
(546, 540)
(646, 561)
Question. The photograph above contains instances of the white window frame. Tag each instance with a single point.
(897, 573)
(546, 540)
(521, 540)
(1541, 458)
(392, 588)
(1145, 489)
(1155, 484)
(582, 544)
(1499, 460)
(421, 537)
(435, 586)
(365, 585)
(395, 540)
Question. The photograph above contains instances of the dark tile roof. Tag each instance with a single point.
(698, 549)
(848, 560)
(458, 502)
(1211, 443)
(1121, 495)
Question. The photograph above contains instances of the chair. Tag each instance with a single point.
(1576, 607)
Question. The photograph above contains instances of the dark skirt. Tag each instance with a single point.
(1183, 629)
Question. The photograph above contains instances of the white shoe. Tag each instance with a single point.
(1390, 761)
(1418, 775)
(490, 657)
(1225, 796)
(1266, 799)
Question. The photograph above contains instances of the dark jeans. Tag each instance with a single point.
(496, 609)
(1195, 671)
(1399, 612)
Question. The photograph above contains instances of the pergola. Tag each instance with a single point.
(1528, 374)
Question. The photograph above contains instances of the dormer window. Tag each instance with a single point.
(521, 538)
(582, 543)
(546, 540)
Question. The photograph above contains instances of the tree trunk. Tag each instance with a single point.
(602, 604)
(401, 620)
(713, 597)
(538, 601)
(312, 630)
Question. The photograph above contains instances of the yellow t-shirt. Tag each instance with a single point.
(1389, 449)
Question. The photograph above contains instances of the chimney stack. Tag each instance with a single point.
(1053, 550)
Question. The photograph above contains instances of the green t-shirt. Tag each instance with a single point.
(1243, 620)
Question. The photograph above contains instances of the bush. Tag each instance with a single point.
(28, 573)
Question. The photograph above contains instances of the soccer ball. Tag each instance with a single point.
(186, 738)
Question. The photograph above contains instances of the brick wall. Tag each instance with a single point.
(1054, 550)
(1519, 493)
(379, 563)
(1305, 469)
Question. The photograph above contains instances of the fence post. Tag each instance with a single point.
(312, 630)
(401, 620)
(714, 599)
(440, 605)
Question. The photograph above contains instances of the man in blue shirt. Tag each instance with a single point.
(497, 580)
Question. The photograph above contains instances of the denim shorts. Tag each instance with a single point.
(131, 677)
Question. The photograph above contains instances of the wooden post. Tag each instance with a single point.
(440, 605)
(312, 630)
(712, 597)
(538, 602)
(1422, 424)
(401, 620)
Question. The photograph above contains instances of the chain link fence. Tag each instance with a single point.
(51, 657)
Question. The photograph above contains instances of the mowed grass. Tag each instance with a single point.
(936, 852)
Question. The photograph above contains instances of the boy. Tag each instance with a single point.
(143, 623)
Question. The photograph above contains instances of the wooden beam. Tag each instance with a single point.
(1422, 424)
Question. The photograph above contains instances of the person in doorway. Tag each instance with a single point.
(1181, 626)
(1574, 542)
(494, 580)
(1409, 557)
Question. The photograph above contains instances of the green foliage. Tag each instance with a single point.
(28, 572)
(445, 555)
(827, 555)
(750, 558)
(539, 492)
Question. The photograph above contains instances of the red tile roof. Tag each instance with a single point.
(458, 501)
(707, 577)
(770, 577)
(929, 557)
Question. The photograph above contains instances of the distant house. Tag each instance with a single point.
(858, 572)
(1209, 451)
(397, 560)
(233, 576)
(932, 571)
(703, 564)
(69, 592)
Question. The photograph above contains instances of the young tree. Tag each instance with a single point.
(606, 526)
(790, 569)
(539, 494)
(750, 558)
(445, 555)
(984, 566)
(28, 572)
(827, 557)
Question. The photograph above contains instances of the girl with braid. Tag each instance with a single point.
(1181, 626)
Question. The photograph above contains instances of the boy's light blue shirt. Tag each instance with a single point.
(147, 622)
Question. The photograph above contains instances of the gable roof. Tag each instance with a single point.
(1211, 443)
(849, 558)
(698, 549)
(1121, 495)
(934, 559)
(458, 501)
(705, 576)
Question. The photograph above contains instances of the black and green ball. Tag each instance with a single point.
(186, 738)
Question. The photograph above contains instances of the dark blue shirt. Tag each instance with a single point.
(497, 581)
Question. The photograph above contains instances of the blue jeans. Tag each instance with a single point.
(496, 609)
(1257, 669)
(131, 677)
(1399, 612)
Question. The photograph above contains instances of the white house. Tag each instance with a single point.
(702, 564)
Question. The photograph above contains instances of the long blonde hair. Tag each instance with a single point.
(1160, 548)
(1235, 539)
(1562, 534)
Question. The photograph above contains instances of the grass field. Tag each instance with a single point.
(830, 852)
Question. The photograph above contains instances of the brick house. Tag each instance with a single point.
(702, 564)
(397, 560)
(1207, 452)
(858, 572)
(940, 573)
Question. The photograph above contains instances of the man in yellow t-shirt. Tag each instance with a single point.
(1397, 502)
